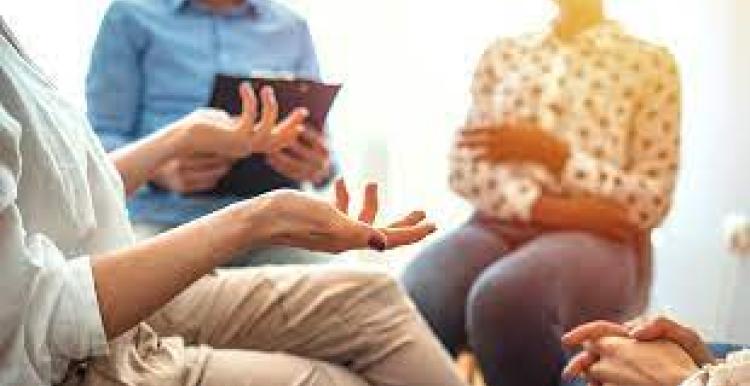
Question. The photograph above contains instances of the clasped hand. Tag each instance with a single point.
(515, 143)
(644, 352)
(210, 141)
(297, 219)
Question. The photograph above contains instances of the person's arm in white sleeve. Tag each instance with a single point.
(735, 370)
(48, 305)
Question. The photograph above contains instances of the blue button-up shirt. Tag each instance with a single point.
(154, 61)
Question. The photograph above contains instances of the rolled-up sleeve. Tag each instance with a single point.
(49, 313)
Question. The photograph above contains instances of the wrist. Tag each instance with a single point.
(174, 139)
(244, 227)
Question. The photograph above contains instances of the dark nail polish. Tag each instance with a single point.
(376, 244)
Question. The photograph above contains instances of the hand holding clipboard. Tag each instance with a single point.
(252, 176)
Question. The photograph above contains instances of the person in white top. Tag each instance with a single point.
(81, 303)
(651, 351)
(569, 157)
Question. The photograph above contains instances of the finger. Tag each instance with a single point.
(270, 111)
(249, 106)
(579, 365)
(659, 328)
(291, 166)
(411, 219)
(475, 142)
(342, 196)
(478, 130)
(593, 331)
(397, 237)
(362, 235)
(307, 154)
(314, 140)
(606, 371)
(288, 130)
(666, 328)
(370, 204)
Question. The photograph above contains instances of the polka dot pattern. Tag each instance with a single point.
(614, 98)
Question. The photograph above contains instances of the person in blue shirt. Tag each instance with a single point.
(154, 62)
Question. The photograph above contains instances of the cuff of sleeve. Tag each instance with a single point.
(81, 309)
(697, 379)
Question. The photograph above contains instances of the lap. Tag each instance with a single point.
(322, 312)
(578, 274)
(250, 368)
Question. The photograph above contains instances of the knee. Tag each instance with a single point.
(502, 302)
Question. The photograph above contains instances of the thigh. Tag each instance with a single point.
(141, 358)
(251, 368)
(358, 318)
(575, 277)
(521, 305)
(439, 278)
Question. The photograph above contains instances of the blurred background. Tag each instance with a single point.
(406, 67)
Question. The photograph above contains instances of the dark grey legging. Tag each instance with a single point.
(509, 292)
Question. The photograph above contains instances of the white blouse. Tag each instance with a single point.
(615, 99)
(61, 200)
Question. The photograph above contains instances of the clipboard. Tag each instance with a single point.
(252, 176)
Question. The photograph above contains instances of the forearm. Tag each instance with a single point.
(592, 214)
(138, 161)
(135, 282)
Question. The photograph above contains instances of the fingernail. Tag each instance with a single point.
(376, 243)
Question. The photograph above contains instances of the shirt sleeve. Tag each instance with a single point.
(498, 190)
(49, 313)
(115, 79)
(734, 371)
(645, 183)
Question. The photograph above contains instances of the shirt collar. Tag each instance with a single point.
(596, 35)
(178, 5)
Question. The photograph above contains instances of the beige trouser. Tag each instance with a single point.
(281, 326)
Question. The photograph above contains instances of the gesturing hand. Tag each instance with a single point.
(214, 132)
(296, 219)
(653, 328)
